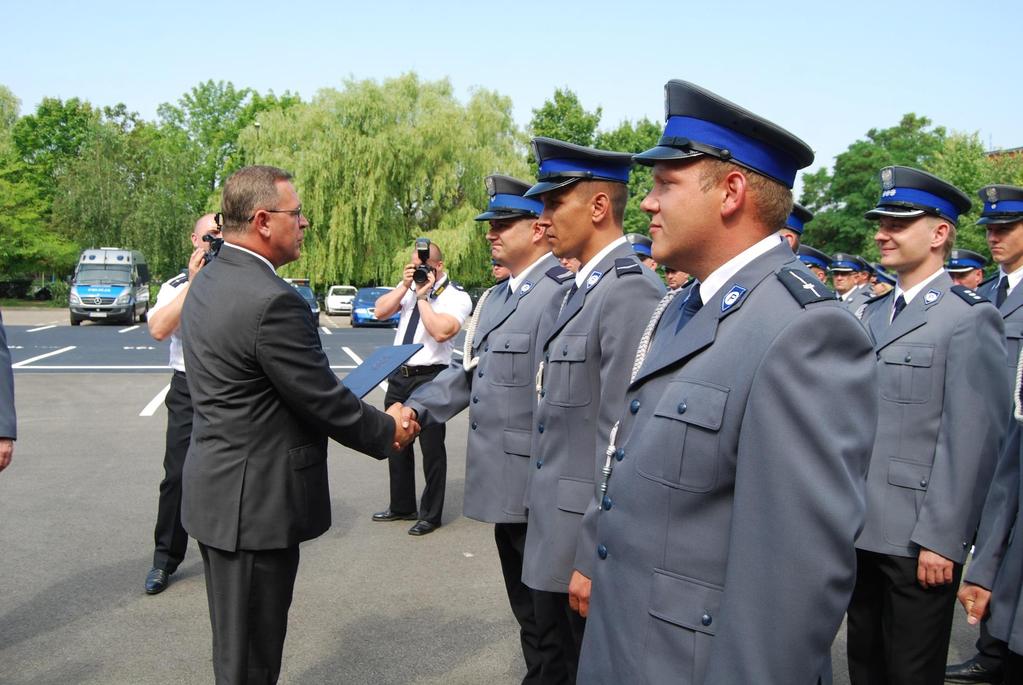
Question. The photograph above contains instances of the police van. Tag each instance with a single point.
(110, 284)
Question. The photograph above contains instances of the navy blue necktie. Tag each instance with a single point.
(413, 324)
(1003, 291)
(691, 305)
(900, 304)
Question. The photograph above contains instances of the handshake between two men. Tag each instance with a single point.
(406, 428)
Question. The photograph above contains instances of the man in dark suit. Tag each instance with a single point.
(8, 422)
(265, 399)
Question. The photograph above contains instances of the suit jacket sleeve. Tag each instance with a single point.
(799, 502)
(1000, 512)
(8, 420)
(289, 352)
(972, 427)
(444, 396)
(622, 320)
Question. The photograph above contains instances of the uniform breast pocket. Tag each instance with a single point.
(905, 376)
(683, 619)
(509, 360)
(680, 444)
(567, 384)
(1013, 338)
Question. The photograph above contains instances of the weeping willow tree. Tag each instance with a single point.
(379, 164)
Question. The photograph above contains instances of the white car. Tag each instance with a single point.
(339, 299)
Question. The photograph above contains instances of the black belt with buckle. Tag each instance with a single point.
(407, 371)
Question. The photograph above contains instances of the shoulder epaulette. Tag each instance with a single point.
(970, 296)
(457, 286)
(805, 288)
(560, 274)
(180, 279)
(627, 265)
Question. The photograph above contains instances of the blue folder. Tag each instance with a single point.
(382, 363)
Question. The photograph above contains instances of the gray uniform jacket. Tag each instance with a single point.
(499, 392)
(724, 547)
(942, 387)
(861, 294)
(8, 420)
(998, 560)
(588, 357)
(265, 401)
(1012, 318)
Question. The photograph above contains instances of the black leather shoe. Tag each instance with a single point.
(422, 528)
(389, 515)
(972, 671)
(156, 581)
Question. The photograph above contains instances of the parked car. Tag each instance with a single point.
(339, 299)
(306, 291)
(362, 309)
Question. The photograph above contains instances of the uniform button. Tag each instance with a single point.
(909, 358)
(539, 463)
(486, 348)
(634, 406)
(620, 453)
(564, 351)
(480, 373)
(507, 344)
(965, 544)
(706, 619)
(682, 407)
(474, 425)
(540, 428)
(606, 503)
(923, 482)
(475, 399)
(543, 393)
(602, 551)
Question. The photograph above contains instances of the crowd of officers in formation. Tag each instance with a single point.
(671, 499)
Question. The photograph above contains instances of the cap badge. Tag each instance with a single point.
(491, 186)
(887, 178)
(592, 280)
(992, 194)
(931, 296)
(731, 297)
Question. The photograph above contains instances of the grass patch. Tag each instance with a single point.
(11, 303)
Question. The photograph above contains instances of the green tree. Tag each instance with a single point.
(10, 106)
(634, 138)
(27, 246)
(378, 164)
(839, 197)
(564, 118)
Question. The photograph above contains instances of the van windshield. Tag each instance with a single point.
(98, 274)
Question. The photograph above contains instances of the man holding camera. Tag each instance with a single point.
(433, 310)
(164, 318)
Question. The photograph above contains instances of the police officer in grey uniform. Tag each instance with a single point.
(587, 356)
(942, 387)
(723, 475)
(1002, 216)
(495, 380)
(8, 419)
(816, 261)
(845, 274)
(991, 588)
(966, 267)
(795, 224)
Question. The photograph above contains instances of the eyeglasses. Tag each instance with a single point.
(297, 212)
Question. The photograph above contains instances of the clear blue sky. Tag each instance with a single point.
(827, 71)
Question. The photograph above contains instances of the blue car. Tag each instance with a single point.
(362, 309)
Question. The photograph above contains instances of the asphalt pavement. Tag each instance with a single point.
(77, 506)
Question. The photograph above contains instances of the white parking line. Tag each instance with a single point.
(26, 362)
(326, 330)
(41, 328)
(95, 368)
(358, 360)
(129, 329)
(155, 403)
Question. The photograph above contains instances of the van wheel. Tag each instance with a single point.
(76, 322)
(144, 317)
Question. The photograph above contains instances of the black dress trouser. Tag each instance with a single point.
(402, 467)
(898, 632)
(170, 537)
(249, 593)
(561, 636)
(511, 545)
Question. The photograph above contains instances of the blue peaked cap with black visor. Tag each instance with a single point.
(1002, 204)
(506, 201)
(561, 164)
(907, 193)
(699, 122)
(798, 219)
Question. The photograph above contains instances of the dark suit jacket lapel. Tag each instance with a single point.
(702, 328)
(575, 303)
